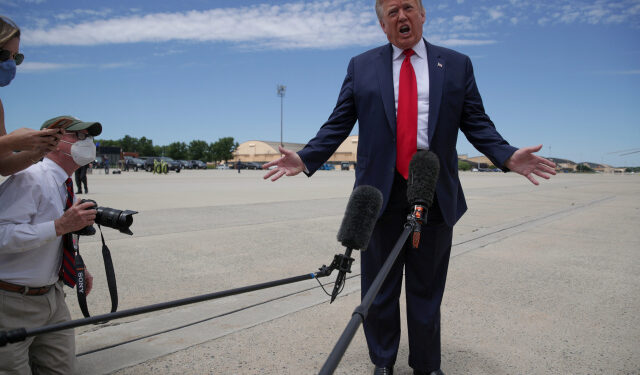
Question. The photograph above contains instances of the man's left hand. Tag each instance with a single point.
(524, 162)
(89, 281)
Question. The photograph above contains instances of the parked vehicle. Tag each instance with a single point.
(186, 164)
(327, 167)
(133, 163)
(198, 164)
(253, 165)
(222, 166)
(171, 165)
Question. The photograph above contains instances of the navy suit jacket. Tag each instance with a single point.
(367, 97)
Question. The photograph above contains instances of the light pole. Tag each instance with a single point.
(281, 89)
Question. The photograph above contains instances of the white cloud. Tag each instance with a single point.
(38, 67)
(464, 42)
(76, 13)
(593, 12)
(495, 14)
(30, 67)
(320, 24)
(327, 24)
(295, 25)
(8, 3)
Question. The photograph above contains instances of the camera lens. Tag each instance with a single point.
(116, 219)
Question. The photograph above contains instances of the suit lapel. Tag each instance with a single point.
(385, 79)
(436, 81)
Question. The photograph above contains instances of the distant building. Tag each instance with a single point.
(480, 162)
(265, 151)
(111, 153)
(564, 165)
(261, 151)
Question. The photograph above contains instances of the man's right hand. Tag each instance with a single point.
(289, 164)
(75, 218)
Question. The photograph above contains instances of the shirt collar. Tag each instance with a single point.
(59, 174)
(420, 50)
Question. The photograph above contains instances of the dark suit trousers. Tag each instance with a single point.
(426, 273)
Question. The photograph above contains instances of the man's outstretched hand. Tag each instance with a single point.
(524, 162)
(289, 164)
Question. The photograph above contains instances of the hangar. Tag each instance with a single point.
(264, 151)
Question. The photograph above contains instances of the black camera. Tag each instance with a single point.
(109, 217)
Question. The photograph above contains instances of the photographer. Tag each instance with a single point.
(36, 251)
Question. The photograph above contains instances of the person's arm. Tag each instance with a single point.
(525, 163)
(31, 145)
(15, 162)
(18, 232)
(289, 164)
(332, 133)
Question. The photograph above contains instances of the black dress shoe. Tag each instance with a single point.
(383, 371)
(420, 372)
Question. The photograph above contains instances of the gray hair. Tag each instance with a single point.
(8, 30)
(379, 8)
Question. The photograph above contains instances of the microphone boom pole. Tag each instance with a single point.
(20, 334)
(360, 312)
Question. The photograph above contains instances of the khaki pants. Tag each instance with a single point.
(51, 353)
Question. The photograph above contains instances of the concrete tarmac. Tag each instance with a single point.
(542, 280)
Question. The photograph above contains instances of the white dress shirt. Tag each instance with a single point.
(421, 68)
(30, 201)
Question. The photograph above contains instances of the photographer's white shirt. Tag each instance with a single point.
(30, 201)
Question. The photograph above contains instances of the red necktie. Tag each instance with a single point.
(68, 269)
(407, 117)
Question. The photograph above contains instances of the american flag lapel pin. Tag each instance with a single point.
(439, 65)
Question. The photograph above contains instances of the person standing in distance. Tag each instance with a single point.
(31, 144)
(409, 95)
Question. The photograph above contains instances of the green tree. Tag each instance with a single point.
(145, 147)
(177, 150)
(584, 168)
(198, 150)
(223, 149)
(464, 165)
(129, 144)
(159, 150)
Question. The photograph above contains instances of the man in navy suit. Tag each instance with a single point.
(447, 101)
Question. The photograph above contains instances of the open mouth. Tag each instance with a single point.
(405, 30)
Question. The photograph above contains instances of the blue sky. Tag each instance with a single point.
(564, 73)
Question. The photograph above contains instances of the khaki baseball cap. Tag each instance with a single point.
(72, 124)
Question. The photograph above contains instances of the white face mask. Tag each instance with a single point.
(83, 152)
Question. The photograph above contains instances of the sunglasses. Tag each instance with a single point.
(6, 55)
(82, 136)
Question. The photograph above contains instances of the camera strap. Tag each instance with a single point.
(81, 280)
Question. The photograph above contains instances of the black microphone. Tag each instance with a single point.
(421, 184)
(357, 225)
